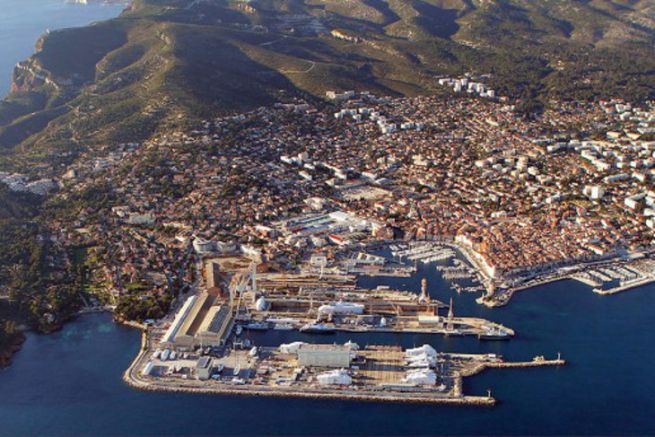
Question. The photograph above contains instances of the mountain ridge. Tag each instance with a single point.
(167, 62)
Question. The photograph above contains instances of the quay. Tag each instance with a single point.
(341, 395)
(377, 378)
(628, 274)
(199, 349)
(524, 364)
(625, 287)
(336, 302)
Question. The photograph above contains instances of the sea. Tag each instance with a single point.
(69, 383)
(23, 21)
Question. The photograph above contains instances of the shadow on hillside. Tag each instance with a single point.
(437, 21)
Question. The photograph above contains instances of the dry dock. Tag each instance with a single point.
(298, 299)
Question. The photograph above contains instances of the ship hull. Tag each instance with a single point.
(318, 331)
(491, 337)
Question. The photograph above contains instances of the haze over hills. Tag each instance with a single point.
(166, 62)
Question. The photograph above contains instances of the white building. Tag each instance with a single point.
(202, 246)
(594, 192)
(291, 348)
(426, 349)
(324, 355)
(633, 202)
(204, 368)
(341, 308)
(334, 377)
(420, 377)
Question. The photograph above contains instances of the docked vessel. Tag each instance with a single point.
(454, 333)
(283, 326)
(494, 334)
(256, 326)
(317, 328)
(341, 308)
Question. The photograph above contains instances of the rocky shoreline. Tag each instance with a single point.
(14, 346)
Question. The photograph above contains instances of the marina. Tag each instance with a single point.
(604, 277)
(424, 252)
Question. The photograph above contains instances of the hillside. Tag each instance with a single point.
(16, 205)
(166, 62)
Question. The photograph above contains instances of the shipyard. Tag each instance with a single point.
(204, 346)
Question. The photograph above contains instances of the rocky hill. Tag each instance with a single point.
(166, 62)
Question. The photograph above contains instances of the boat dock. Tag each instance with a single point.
(606, 278)
(344, 307)
(224, 362)
(423, 251)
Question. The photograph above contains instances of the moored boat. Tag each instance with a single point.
(256, 326)
(494, 334)
(317, 328)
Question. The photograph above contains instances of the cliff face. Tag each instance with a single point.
(12, 346)
(45, 85)
(28, 76)
(66, 58)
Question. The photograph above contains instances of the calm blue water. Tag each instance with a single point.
(70, 383)
(23, 21)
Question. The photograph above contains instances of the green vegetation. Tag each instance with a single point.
(10, 340)
(38, 295)
(7, 330)
(40, 292)
(140, 308)
(165, 63)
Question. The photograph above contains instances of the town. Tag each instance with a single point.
(522, 198)
(266, 219)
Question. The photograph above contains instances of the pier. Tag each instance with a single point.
(325, 303)
(626, 274)
(625, 287)
(378, 379)
(526, 364)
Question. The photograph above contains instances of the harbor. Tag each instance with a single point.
(211, 345)
(329, 371)
(605, 277)
(219, 340)
(564, 316)
(285, 301)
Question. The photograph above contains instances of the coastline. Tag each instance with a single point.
(50, 15)
(495, 299)
(133, 379)
(109, 348)
(14, 345)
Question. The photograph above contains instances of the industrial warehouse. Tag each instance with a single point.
(203, 320)
(205, 347)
